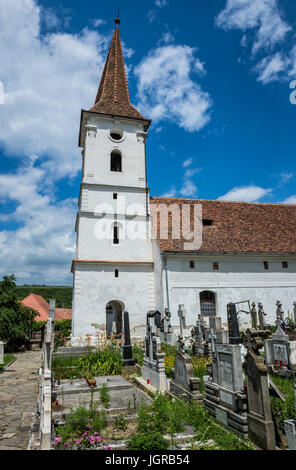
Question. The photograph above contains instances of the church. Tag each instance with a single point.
(140, 253)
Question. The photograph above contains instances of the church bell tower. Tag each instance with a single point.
(113, 267)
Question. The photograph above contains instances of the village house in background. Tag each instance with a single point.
(38, 303)
(248, 251)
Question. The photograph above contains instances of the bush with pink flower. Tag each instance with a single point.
(89, 440)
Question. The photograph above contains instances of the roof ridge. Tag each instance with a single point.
(224, 201)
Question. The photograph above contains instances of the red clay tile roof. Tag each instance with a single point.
(238, 227)
(113, 95)
(39, 304)
(63, 314)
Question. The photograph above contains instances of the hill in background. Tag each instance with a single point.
(62, 294)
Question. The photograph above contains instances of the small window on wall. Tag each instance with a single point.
(265, 264)
(114, 195)
(216, 266)
(116, 235)
(191, 264)
(115, 161)
(116, 272)
(285, 264)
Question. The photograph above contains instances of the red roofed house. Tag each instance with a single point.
(238, 251)
(38, 303)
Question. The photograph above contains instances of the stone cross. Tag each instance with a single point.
(279, 311)
(181, 315)
(213, 338)
(261, 315)
(254, 316)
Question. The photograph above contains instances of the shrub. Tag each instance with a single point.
(101, 362)
(15, 319)
(152, 440)
(104, 394)
(63, 326)
(283, 410)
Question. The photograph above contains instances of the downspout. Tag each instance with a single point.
(167, 283)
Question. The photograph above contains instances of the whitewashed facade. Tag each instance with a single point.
(114, 269)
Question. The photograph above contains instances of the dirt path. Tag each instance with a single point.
(18, 400)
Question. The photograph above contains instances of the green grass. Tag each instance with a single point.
(171, 416)
(283, 410)
(7, 359)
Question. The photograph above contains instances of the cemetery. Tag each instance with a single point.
(128, 394)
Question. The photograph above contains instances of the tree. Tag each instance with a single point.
(15, 319)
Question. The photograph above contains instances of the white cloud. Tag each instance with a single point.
(270, 68)
(245, 193)
(188, 189)
(167, 91)
(172, 192)
(261, 15)
(290, 200)
(42, 247)
(285, 177)
(161, 3)
(187, 162)
(43, 77)
(266, 29)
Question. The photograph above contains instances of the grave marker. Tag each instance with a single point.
(2, 352)
(153, 369)
(225, 399)
(127, 352)
(260, 422)
(233, 328)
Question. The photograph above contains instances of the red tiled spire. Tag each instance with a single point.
(113, 95)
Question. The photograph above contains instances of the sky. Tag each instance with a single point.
(216, 78)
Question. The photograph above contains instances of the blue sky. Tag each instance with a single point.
(213, 76)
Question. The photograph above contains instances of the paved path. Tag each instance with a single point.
(18, 400)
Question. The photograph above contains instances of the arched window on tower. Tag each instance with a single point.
(207, 303)
(115, 161)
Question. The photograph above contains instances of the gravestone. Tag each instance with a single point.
(127, 352)
(167, 332)
(261, 315)
(280, 353)
(156, 315)
(254, 318)
(260, 421)
(279, 311)
(225, 399)
(290, 427)
(184, 384)
(294, 311)
(233, 329)
(2, 352)
(51, 311)
(200, 347)
(182, 318)
(153, 370)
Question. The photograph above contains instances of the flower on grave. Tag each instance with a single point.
(89, 426)
(108, 448)
(57, 440)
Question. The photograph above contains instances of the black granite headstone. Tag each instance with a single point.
(127, 352)
(233, 329)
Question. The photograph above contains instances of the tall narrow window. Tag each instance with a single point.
(114, 195)
(191, 264)
(265, 264)
(115, 162)
(116, 273)
(285, 264)
(215, 266)
(116, 235)
(207, 303)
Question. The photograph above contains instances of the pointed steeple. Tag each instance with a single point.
(113, 95)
